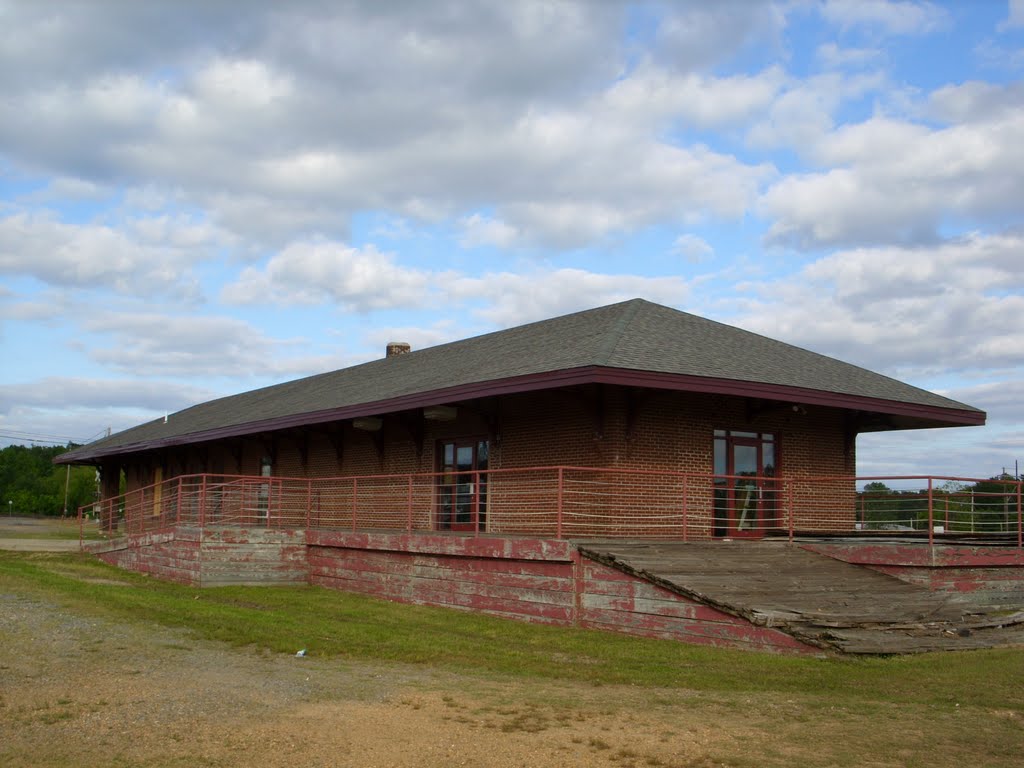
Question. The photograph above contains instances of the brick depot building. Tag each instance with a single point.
(627, 421)
(631, 386)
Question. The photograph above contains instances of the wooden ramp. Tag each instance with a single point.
(816, 599)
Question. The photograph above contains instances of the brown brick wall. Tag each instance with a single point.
(654, 431)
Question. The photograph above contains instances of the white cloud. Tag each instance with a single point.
(365, 279)
(479, 230)
(699, 35)
(834, 57)
(956, 452)
(976, 102)
(146, 344)
(894, 181)
(324, 271)
(999, 57)
(512, 299)
(73, 392)
(894, 18)
(925, 311)
(143, 256)
(1015, 17)
(282, 123)
(803, 113)
(1003, 400)
(692, 248)
(655, 94)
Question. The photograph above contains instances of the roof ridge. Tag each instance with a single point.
(611, 342)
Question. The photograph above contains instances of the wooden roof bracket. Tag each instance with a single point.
(203, 452)
(597, 410)
(415, 425)
(493, 420)
(851, 428)
(636, 397)
(302, 444)
(378, 441)
(336, 437)
(234, 449)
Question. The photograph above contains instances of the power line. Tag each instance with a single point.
(33, 440)
(38, 437)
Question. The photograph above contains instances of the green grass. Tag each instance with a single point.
(334, 624)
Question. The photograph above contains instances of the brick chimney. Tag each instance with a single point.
(396, 348)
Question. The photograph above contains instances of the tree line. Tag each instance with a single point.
(986, 506)
(31, 484)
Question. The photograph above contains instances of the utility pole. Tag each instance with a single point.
(67, 485)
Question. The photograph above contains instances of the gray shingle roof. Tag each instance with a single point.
(632, 336)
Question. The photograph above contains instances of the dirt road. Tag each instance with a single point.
(26, 534)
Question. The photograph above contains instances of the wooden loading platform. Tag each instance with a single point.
(815, 598)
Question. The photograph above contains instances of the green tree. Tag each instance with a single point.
(31, 484)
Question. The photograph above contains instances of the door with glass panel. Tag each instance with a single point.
(462, 485)
(746, 500)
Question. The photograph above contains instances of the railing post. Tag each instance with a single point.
(558, 513)
(202, 505)
(355, 491)
(476, 504)
(309, 501)
(789, 508)
(408, 505)
(931, 515)
(686, 504)
(1020, 531)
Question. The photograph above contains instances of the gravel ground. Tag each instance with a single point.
(86, 691)
(83, 691)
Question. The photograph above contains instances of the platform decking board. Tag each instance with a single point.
(814, 598)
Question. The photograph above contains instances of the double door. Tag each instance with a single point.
(746, 497)
(462, 485)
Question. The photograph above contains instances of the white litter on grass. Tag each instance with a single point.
(301, 653)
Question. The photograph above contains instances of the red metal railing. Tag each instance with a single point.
(574, 502)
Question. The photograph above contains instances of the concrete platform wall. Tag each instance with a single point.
(254, 556)
(542, 581)
(216, 557)
(171, 556)
(536, 580)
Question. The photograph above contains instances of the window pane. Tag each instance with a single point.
(464, 457)
(744, 459)
(720, 457)
(768, 458)
(449, 454)
(482, 454)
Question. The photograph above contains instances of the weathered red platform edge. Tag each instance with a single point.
(994, 575)
(545, 581)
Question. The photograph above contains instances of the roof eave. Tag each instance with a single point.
(933, 415)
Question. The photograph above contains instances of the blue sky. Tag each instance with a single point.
(199, 199)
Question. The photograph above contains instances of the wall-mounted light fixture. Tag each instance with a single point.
(440, 412)
(368, 423)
